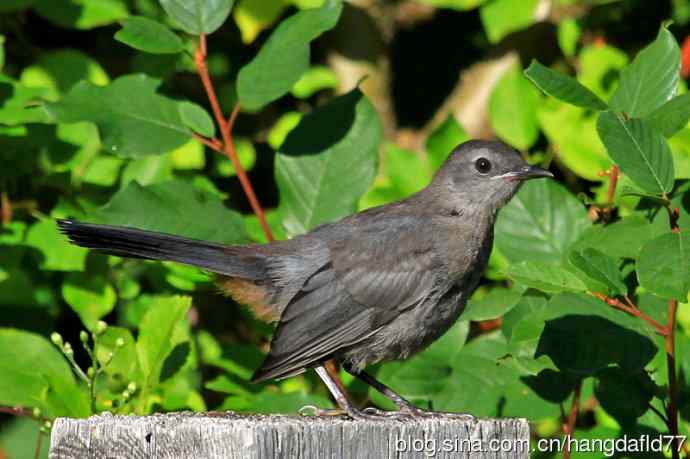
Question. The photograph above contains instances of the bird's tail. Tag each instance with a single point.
(235, 261)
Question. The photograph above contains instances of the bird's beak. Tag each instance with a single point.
(526, 173)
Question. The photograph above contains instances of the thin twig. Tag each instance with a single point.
(226, 132)
(613, 173)
(5, 208)
(613, 181)
(673, 217)
(214, 144)
(39, 443)
(632, 310)
(16, 411)
(569, 426)
(661, 415)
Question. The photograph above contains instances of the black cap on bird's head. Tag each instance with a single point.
(486, 172)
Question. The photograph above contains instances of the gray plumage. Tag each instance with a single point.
(375, 286)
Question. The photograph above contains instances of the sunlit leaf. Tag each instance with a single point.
(563, 87)
(132, 118)
(651, 79)
(641, 152)
(285, 56)
(341, 136)
(540, 223)
(149, 36)
(664, 266)
(198, 16)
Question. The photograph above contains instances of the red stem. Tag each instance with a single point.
(5, 208)
(633, 310)
(226, 132)
(39, 443)
(613, 181)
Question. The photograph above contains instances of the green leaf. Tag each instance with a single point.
(285, 56)
(17, 103)
(563, 87)
(641, 152)
(600, 267)
(328, 161)
(175, 360)
(530, 303)
(124, 364)
(149, 36)
(501, 17)
(509, 395)
(155, 340)
(19, 436)
(313, 80)
(495, 303)
(81, 14)
(190, 156)
(406, 170)
(56, 253)
(621, 239)
(625, 397)
(91, 297)
(198, 16)
(651, 79)
(15, 5)
(159, 208)
(664, 266)
(569, 32)
(61, 69)
(48, 367)
(425, 374)
(148, 170)
(583, 335)
(102, 170)
(513, 109)
(279, 131)
(197, 119)
(573, 130)
(461, 5)
(546, 277)
(540, 223)
(21, 386)
(672, 116)
(443, 140)
(252, 17)
(132, 119)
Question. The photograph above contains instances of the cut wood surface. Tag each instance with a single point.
(242, 436)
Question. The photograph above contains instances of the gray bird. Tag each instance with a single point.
(378, 285)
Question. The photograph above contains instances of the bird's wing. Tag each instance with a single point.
(371, 276)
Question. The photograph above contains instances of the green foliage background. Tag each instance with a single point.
(101, 112)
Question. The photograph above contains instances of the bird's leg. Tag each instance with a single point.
(405, 407)
(341, 399)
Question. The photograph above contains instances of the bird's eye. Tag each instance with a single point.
(482, 165)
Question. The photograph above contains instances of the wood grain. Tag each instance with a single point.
(230, 435)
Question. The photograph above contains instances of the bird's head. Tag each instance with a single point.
(484, 173)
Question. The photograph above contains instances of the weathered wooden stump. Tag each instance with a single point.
(230, 435)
